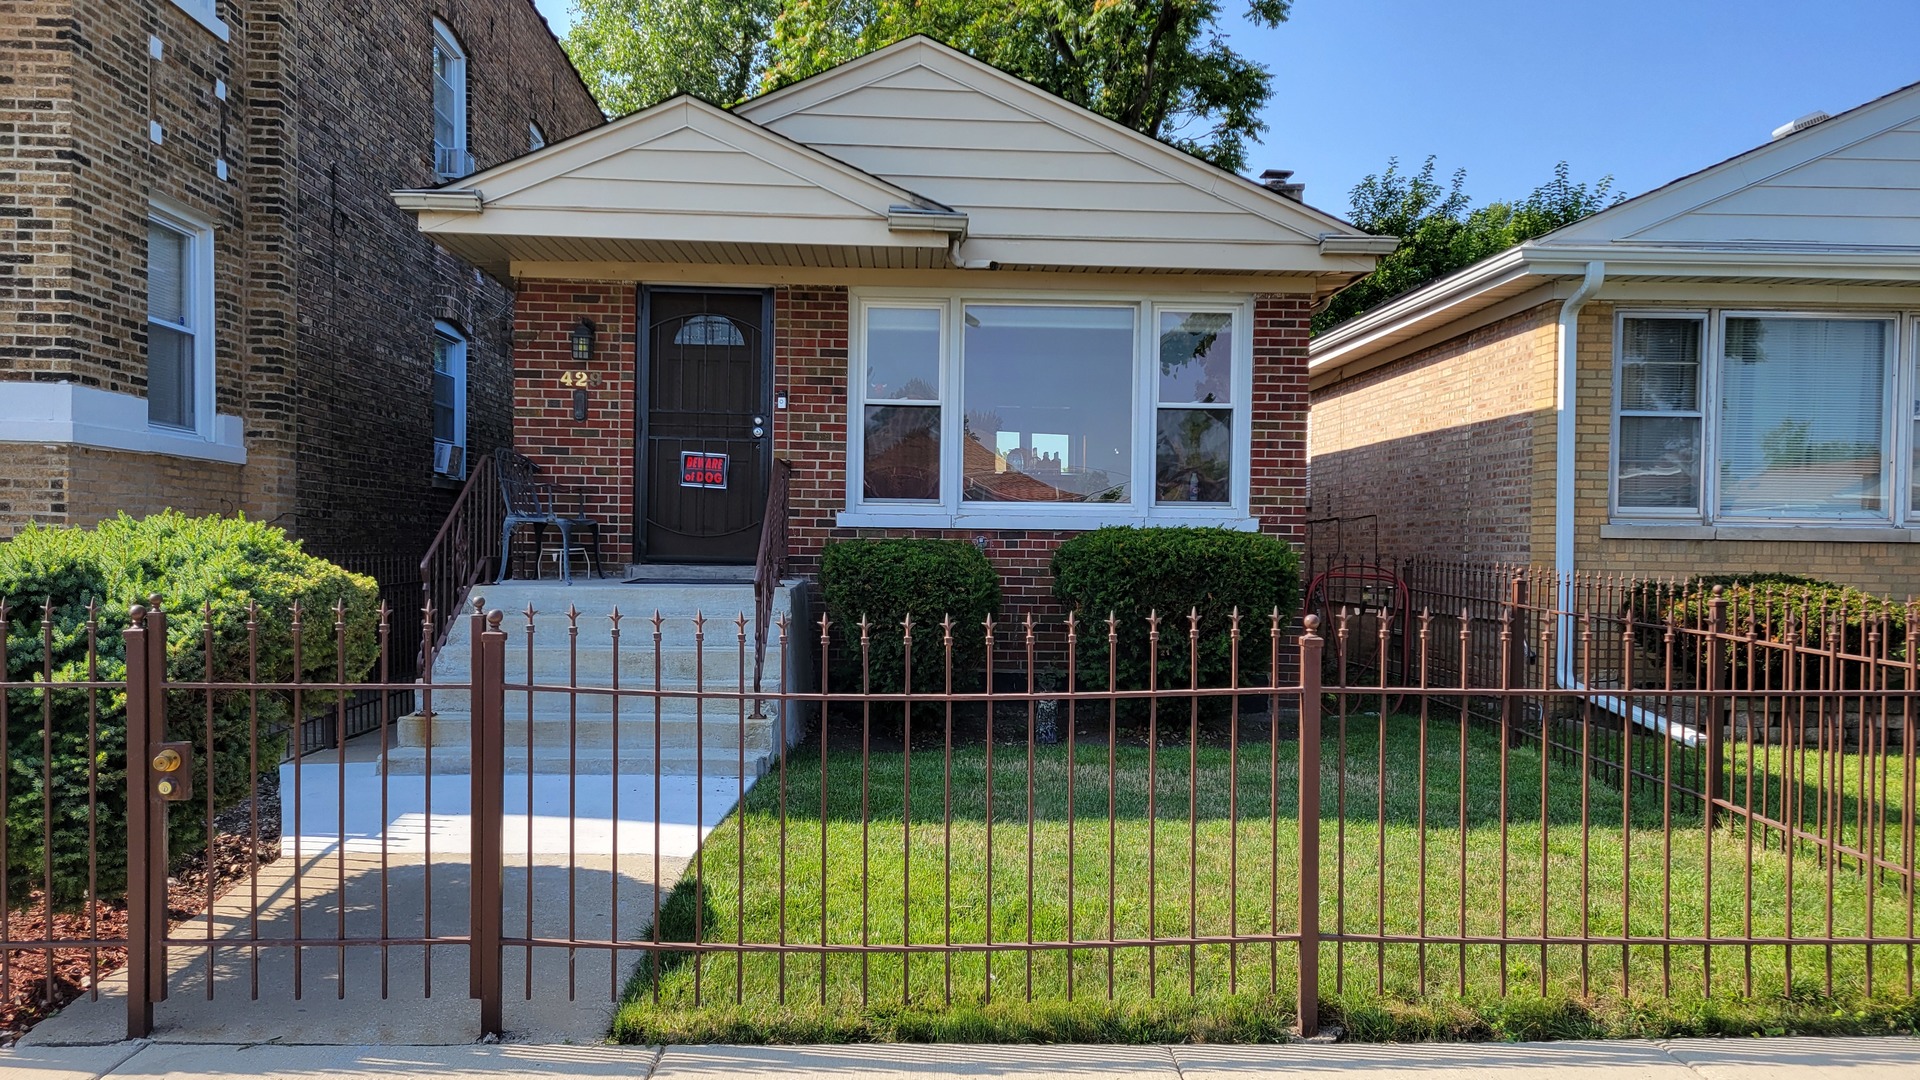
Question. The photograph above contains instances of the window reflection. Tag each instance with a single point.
(1048, 403)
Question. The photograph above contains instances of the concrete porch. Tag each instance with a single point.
(660, 722)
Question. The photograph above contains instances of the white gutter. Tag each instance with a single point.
(1348, 244)
(439, 201)
(919, 219)
(1565, 478)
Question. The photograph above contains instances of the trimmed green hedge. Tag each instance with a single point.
(196, 566)
(1132, 573)
(1758, 604)
(887, 580)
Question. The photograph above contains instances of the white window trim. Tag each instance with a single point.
(1706, 522)
(446, 331)
(951, 511)
(443, 38)
(200, 282)
(536, 136)
(204, 12)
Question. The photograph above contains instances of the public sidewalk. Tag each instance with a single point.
(1683, 1059)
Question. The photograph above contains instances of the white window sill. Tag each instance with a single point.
(70, 415)
(1077, 520)
(205, 18)
(1825, 534)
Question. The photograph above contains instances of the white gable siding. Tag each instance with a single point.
(671, 182)
(1865, 194)
(1850, 182)
(856, 167)
(688, 172)
(998, 152)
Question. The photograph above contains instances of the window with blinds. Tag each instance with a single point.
(1803, 418)
(1657, 460)
(1760, 417)
(173, 312)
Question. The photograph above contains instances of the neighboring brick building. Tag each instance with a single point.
(207, 300)
(1744, 346)
(1038, 322)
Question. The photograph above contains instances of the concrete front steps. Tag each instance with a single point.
(559, 730)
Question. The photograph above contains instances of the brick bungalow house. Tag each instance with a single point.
(207, 300)
(957, 305)
(1717, 375)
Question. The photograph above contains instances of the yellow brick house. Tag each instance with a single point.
(1718, 375)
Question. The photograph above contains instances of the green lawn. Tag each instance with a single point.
(1224, 863)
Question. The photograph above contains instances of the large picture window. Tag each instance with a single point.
(1750, 417)
(1048, 399)
(984, 409)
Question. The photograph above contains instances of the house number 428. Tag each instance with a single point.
(573, 378)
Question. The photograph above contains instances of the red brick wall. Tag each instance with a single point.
(595, 456)
(1280, 414)
(810, 366)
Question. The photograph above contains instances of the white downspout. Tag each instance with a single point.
(1565, 480)
(1566, 421)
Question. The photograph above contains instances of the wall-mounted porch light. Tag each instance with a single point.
(583, 341)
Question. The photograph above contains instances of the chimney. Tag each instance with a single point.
(1276, 180)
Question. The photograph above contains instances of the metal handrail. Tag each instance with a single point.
(768, 564)
(461, 554)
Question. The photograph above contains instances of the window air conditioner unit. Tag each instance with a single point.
(443, 462)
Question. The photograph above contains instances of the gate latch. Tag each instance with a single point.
(172, 773)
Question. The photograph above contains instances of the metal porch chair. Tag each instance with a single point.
(530, 500)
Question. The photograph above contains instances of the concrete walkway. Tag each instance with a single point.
(1682, 1059)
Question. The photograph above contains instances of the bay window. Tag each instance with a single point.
(997, 411)
(1736, 417)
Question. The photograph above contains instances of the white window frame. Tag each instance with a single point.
(952, 511)
(457, 359)
(1704, 319)
(536, 138)
(200, 287)
(1898, 443)
(444, 40)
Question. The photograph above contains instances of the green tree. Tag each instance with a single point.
(1440, 231)
(634, 53)
(1162, 67)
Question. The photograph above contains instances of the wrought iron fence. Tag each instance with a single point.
(363, 711)
(1188, 811)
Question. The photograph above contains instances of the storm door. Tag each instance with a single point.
(705, 433)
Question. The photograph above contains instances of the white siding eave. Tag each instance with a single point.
(1491, 280)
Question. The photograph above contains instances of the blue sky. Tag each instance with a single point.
(1647, 90)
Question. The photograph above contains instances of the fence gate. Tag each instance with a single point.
(373, 890)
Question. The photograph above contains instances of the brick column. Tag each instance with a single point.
(1279, 418)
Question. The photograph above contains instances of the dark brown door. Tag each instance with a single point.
(705, 446)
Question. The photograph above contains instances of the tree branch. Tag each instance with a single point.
(1170, 12)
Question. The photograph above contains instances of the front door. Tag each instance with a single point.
(705, 446)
